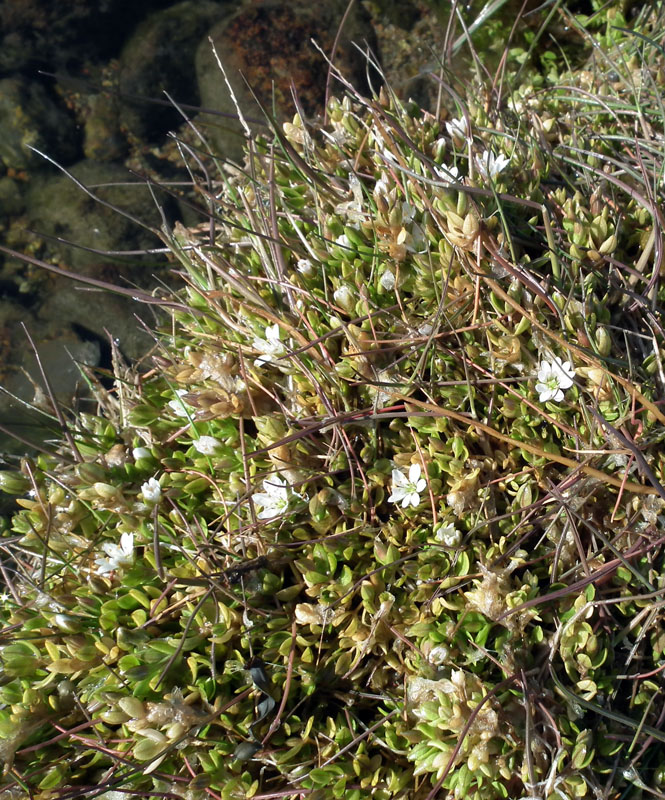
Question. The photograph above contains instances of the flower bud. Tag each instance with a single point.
(13, 482)
(344, 298)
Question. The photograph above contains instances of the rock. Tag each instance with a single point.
(269, 43)
(59, 348)
(58, 207)
(29, 116)
(103, 140)
(11, 199)
(63, 33)
(100, 315)
(160, 56)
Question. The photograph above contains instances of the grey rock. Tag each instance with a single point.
(58, 207)
(160, 56)
(29, 116)
(60, 350)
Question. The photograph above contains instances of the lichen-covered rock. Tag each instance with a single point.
(11, 199)
(266, 47)
(30, 117)
(103, 137)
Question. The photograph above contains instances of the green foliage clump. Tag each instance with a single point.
(386, 516)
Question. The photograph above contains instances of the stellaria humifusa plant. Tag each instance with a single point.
(385, 518)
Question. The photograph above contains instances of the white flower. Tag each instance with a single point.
(490, 165)
(438, 654)
(457, 128)
(206, 445)
(4, 598)
(343, 241)
(407, 490)
(121, 555)
(305, 267)
(448, 535)
(151, 491)
(447, 173)
(271, 347)
(178, 405)
(274, 499)
(553, 379)
(344, 298)
(141, 452)
(387, 281)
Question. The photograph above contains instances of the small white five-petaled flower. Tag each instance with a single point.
(450, 174)
(407, 490)
(206, 445)
(274, 499)
(121, 555)
(457, 128)
(553, 379)
(151, 490)
(272, 347)
(489, 165)
(178, 405)
(448, 535)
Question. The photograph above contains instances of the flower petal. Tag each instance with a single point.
(414, 473)
(398, 494)
(112, 550)
(399, 479)
(104, 566)
(127, 542)
(263, 499)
